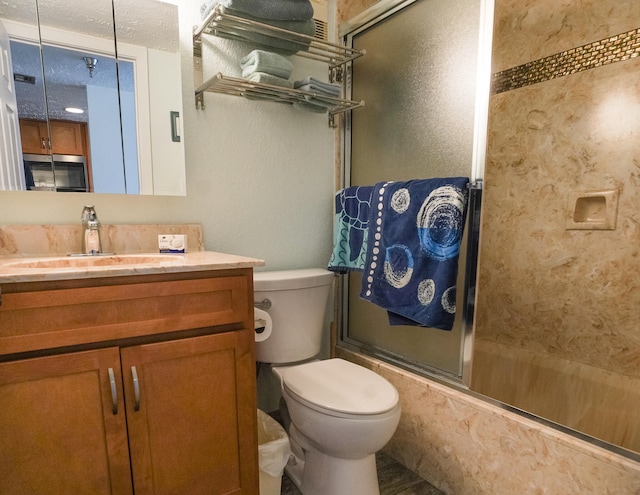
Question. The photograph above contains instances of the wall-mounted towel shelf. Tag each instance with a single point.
(221, 23)
(242, 87)
(260, 35)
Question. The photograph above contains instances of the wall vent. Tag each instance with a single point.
(24, 78)
(322, 30)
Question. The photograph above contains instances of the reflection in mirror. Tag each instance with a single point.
(147, 35)
(82, 97)
(24, 26)
(122, 133)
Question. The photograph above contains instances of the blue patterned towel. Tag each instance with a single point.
(350, 229)
(414, 240)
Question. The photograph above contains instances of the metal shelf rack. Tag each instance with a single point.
(221, 23)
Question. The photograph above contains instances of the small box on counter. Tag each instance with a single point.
(172, 243)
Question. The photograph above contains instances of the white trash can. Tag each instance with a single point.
(273, 453)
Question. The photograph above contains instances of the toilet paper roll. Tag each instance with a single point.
(262, 324)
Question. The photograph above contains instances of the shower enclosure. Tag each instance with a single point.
(421, 119)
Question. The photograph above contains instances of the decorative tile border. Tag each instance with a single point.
(596, 54)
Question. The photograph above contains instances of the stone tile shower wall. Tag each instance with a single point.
(558, 309)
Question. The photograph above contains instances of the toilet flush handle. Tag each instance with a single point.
(264, 305)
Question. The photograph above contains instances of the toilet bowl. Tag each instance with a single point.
(341, 413)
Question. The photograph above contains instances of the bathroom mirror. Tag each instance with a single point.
(124, 80)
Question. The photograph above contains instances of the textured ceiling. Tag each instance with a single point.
(149, 23)
(67, 78)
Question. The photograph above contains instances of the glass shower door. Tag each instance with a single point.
(418, 81)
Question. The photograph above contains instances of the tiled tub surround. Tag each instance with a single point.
(466, 446)
(604, 404)
(618, 48)
(558, 307)
(530, 30)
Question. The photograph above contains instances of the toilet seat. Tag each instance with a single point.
(340, 387)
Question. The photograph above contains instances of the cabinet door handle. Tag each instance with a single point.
(136, 389)
(175, 126)
(43, 143)
(114, 392)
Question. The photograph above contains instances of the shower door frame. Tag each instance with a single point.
(378, 13)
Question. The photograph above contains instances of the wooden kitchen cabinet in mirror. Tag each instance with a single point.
(67, 138)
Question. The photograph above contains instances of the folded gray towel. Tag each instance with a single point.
(309, 107)
(312, 84)
(264, 78)
(312, 88)
(207, 7)
(319, 101)
(283, 46)
(307, 26)
(278, 10)
(263, 61)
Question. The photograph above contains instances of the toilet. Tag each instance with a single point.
(341, 413)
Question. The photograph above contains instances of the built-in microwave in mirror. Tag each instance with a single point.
(64, 173)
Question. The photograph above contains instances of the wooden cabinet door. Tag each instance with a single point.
(68, 138)
(192, 417)
(34, 137)
(60, 431)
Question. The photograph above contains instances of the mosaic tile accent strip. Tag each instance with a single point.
(596, 54)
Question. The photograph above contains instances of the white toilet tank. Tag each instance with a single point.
(298, 303)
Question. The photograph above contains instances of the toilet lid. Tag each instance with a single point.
(341, 386)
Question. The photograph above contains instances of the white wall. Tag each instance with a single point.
(259, 174)
(104, 133)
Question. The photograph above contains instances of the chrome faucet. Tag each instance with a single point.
(91, 243)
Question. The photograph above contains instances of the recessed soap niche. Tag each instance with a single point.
(592, 210)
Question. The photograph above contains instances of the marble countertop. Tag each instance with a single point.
(36, 269)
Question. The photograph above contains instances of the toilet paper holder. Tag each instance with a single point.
(262, 325)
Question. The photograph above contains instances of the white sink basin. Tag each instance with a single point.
(94, 261)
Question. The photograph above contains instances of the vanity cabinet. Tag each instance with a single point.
(138, 384)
